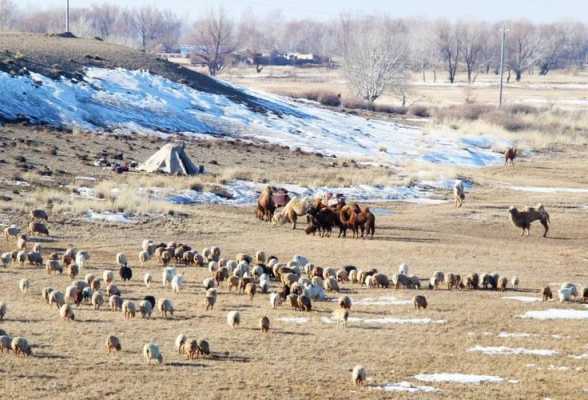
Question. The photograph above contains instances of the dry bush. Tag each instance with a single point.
(420, 111)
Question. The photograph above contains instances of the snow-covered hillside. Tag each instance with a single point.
(140, 102)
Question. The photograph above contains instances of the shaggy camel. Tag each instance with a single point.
(509, 156)
(265, 205)
(524, 219)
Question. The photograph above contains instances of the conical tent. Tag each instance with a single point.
(171, 159)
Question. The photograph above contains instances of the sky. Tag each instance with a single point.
(493, 10)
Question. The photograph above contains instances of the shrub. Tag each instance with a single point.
(419, 111)
(330, 99)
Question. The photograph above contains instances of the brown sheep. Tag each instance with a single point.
(503, 284)
(345, 302)
(233, 282)
(264, 324)
(341, 315)
(250, 290)
(473, 281)
(112, 343)
(419, 302)
(210, 298)
(294, 301)
(380, 280)
(38, 227)
(547, 294)
(39, 215)
(304, 303)
(524, 219)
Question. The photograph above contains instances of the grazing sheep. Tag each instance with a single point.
(24, 285)
(73, 295)
(331, 285)
(233, 282)
(260, 257)
(177, 283)
(353, 276)
(572, 287)
(275, 300)
(502, 286)
(35, 258)
(436, 280)
(5, 259)
(148, 246)
(87, 294)
(95, 285)
(108, 276)
(66, 312)
(515, 282)
(2, 310)
(145, 308)
(147, 278)
(53, 266)
(168, 275)
(144, 256)
(37, 227)
(345, 302)
(20, 346)
(97, 300)
(82, 258)
(11, 232)
(115, 302)
(151, 300)
(264, 283)
(403, 269)
(341, 315)
(473, 281)
(125, 272)
(89, 278)
(209, 283)
(151, 353)
(489, 281)
(180, 342)
(233, 319)
(524, 219)
(210, 298)
(73, 271)
(419, 302)
(264, 324)
(57, 298)
(585, 294)
(458, 193)
(358, 375)
(21, 242)
(304, 303)
(250, 290)
(565, 294)
(112, 289)
(547, 294)
(380, 280)
(112, 344)
(5, 343)
(121, 259)
(21, 257)
(203, 348)
(129, 309)
(165, 306)
(39, 214)
(45, 293)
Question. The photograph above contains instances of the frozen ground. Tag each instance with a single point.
(556, 313)
(502, 350)
(458, 378)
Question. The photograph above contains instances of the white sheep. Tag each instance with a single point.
(148, 246)
(353, 276)
(2, 310)
(57, 298)
(144, 256)
(129, 309)
(151, 353)
(515, 282)
(82, 258)
(209, 283)
(147, 278)
(45, 293)
(177, 283)
(231, 266)
(21, 257)
(66, 312)
(108, 276)
(167, 275)
(97, 300)
(437, 279)
(179, 343)
(20, 346)
(264, 283)
(24, 286)
(165, 306)
(358, 375)
(233, 319)
(275, 300)
(115, 302)
(121, 259)
(5, 259)
(300, 260)
(11, 232)
(308, 269)
(145, 308)
(403, 269)
(21, 242)
(71, 294)
(572, 287)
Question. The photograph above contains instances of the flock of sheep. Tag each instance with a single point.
(297, 282)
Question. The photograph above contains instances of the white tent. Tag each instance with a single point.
(171, 159)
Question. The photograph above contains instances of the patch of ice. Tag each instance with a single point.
(502, 350)
(111, 217)
(537, 189)
(405, 387)
(294, 320)
(523, 299)
(381, 301)
(555, 314)
(580, 356)
(458, 378)
(387, 321)
(515, 335)
(85, 178)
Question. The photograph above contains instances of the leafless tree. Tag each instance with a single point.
(155, 29)
(474, 36)
(523, 46)
(214, 40)
(102, 19)
(450, 46)
(8, 11)
(375, 57)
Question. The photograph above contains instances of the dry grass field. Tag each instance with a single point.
(312, 358)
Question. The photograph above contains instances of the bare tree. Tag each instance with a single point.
(474, 36)
(523, 47)
(449, 44)
(375, 57)
(214, 40)
(155, 29)
(102, 19)
(8, 13)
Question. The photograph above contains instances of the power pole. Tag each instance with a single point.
(502, 64)
(67, 17)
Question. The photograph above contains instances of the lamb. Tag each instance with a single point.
(121, 259)
(73, 271)
(331, 285)
(20, 346)
(38, 227)
(233, 319)
(66, 312)
(97, 300)
(168, 275)
(129, 309)
(250, 290)
(24, 286)
(502, 286)
(264, 324)
(112, 344)
(144, 256)
(82, 258)
(5, 343)
(458, 193)
(2, 310)
(547, 294)
(125, 272)
(275, 300)
(524, 219)
(165, 306)
(45, 293)
(151, 353)
(211, 295)
(358, 375)
(177, 283)
(115, 302)
(145, 308)
(419, 302)
(147, 278)
(53, 266)
(515, 282)
(304, 303)
(341, 315)
(39, 215)
(108, 276)
(11, 232)
(57, 298)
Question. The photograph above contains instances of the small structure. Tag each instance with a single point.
(171, 159)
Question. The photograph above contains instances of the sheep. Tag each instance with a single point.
(233, 282)
(95, 285)
(260, 257)
(2, 310)
(503, 284)
(20, 346)
(53, 266)
(144, 256)
(97, 300)
(565, 294)
(87, 294)
(147, 279)
(145, 308)
(250, 290)
(5, 343)
(380, 280)
(24, 286)
(233, 319)
(345, 302)
(148, 246)
(264, 283)
(82, 258)
(458, 193)
(21, 257)
(45, 293)
(180, 342)
(342, 275)
(275, 300)
(210, 298)
(151, 353)
(353, 276)
(39, 214)
(419, 302)
(212, 266)
(73, 295)
(89, 278)
(358, 375)
(165, 306)
(547, 294)
(125, 272)
(190, 349)
(37, 227)
(216, 253)
(57, 298)
(437, 278)
(129, 309)
(304, 303)
(112, 290)
(168, 275)
(35, 258)
(329, 273)
(515, 282)
(489, 281)
(203, 348)
(5, 259)
(341, 315)
(121, 259)
(115, 302)
(264, 324)
(66, 312)
(331, 285)
(198, 260)
(112, 344)
(585, 295)
(73, 271)
(21, 242)
(572, 287)
(403, 269)
(473, 281)
(108, 276)
(177, 283)
(209, 283)
(11, 232)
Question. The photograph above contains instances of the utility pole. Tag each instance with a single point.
(67, 17)
(502, 63)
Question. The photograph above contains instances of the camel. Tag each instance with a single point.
(265, 205)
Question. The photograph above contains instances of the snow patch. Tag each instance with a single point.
(555, 314)
(405, 387)
(523, 299)
(294, 320)
(111, 217)
(537, 189)
(502, 350)
(458, 378)
(381, 301)
(386, 321)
